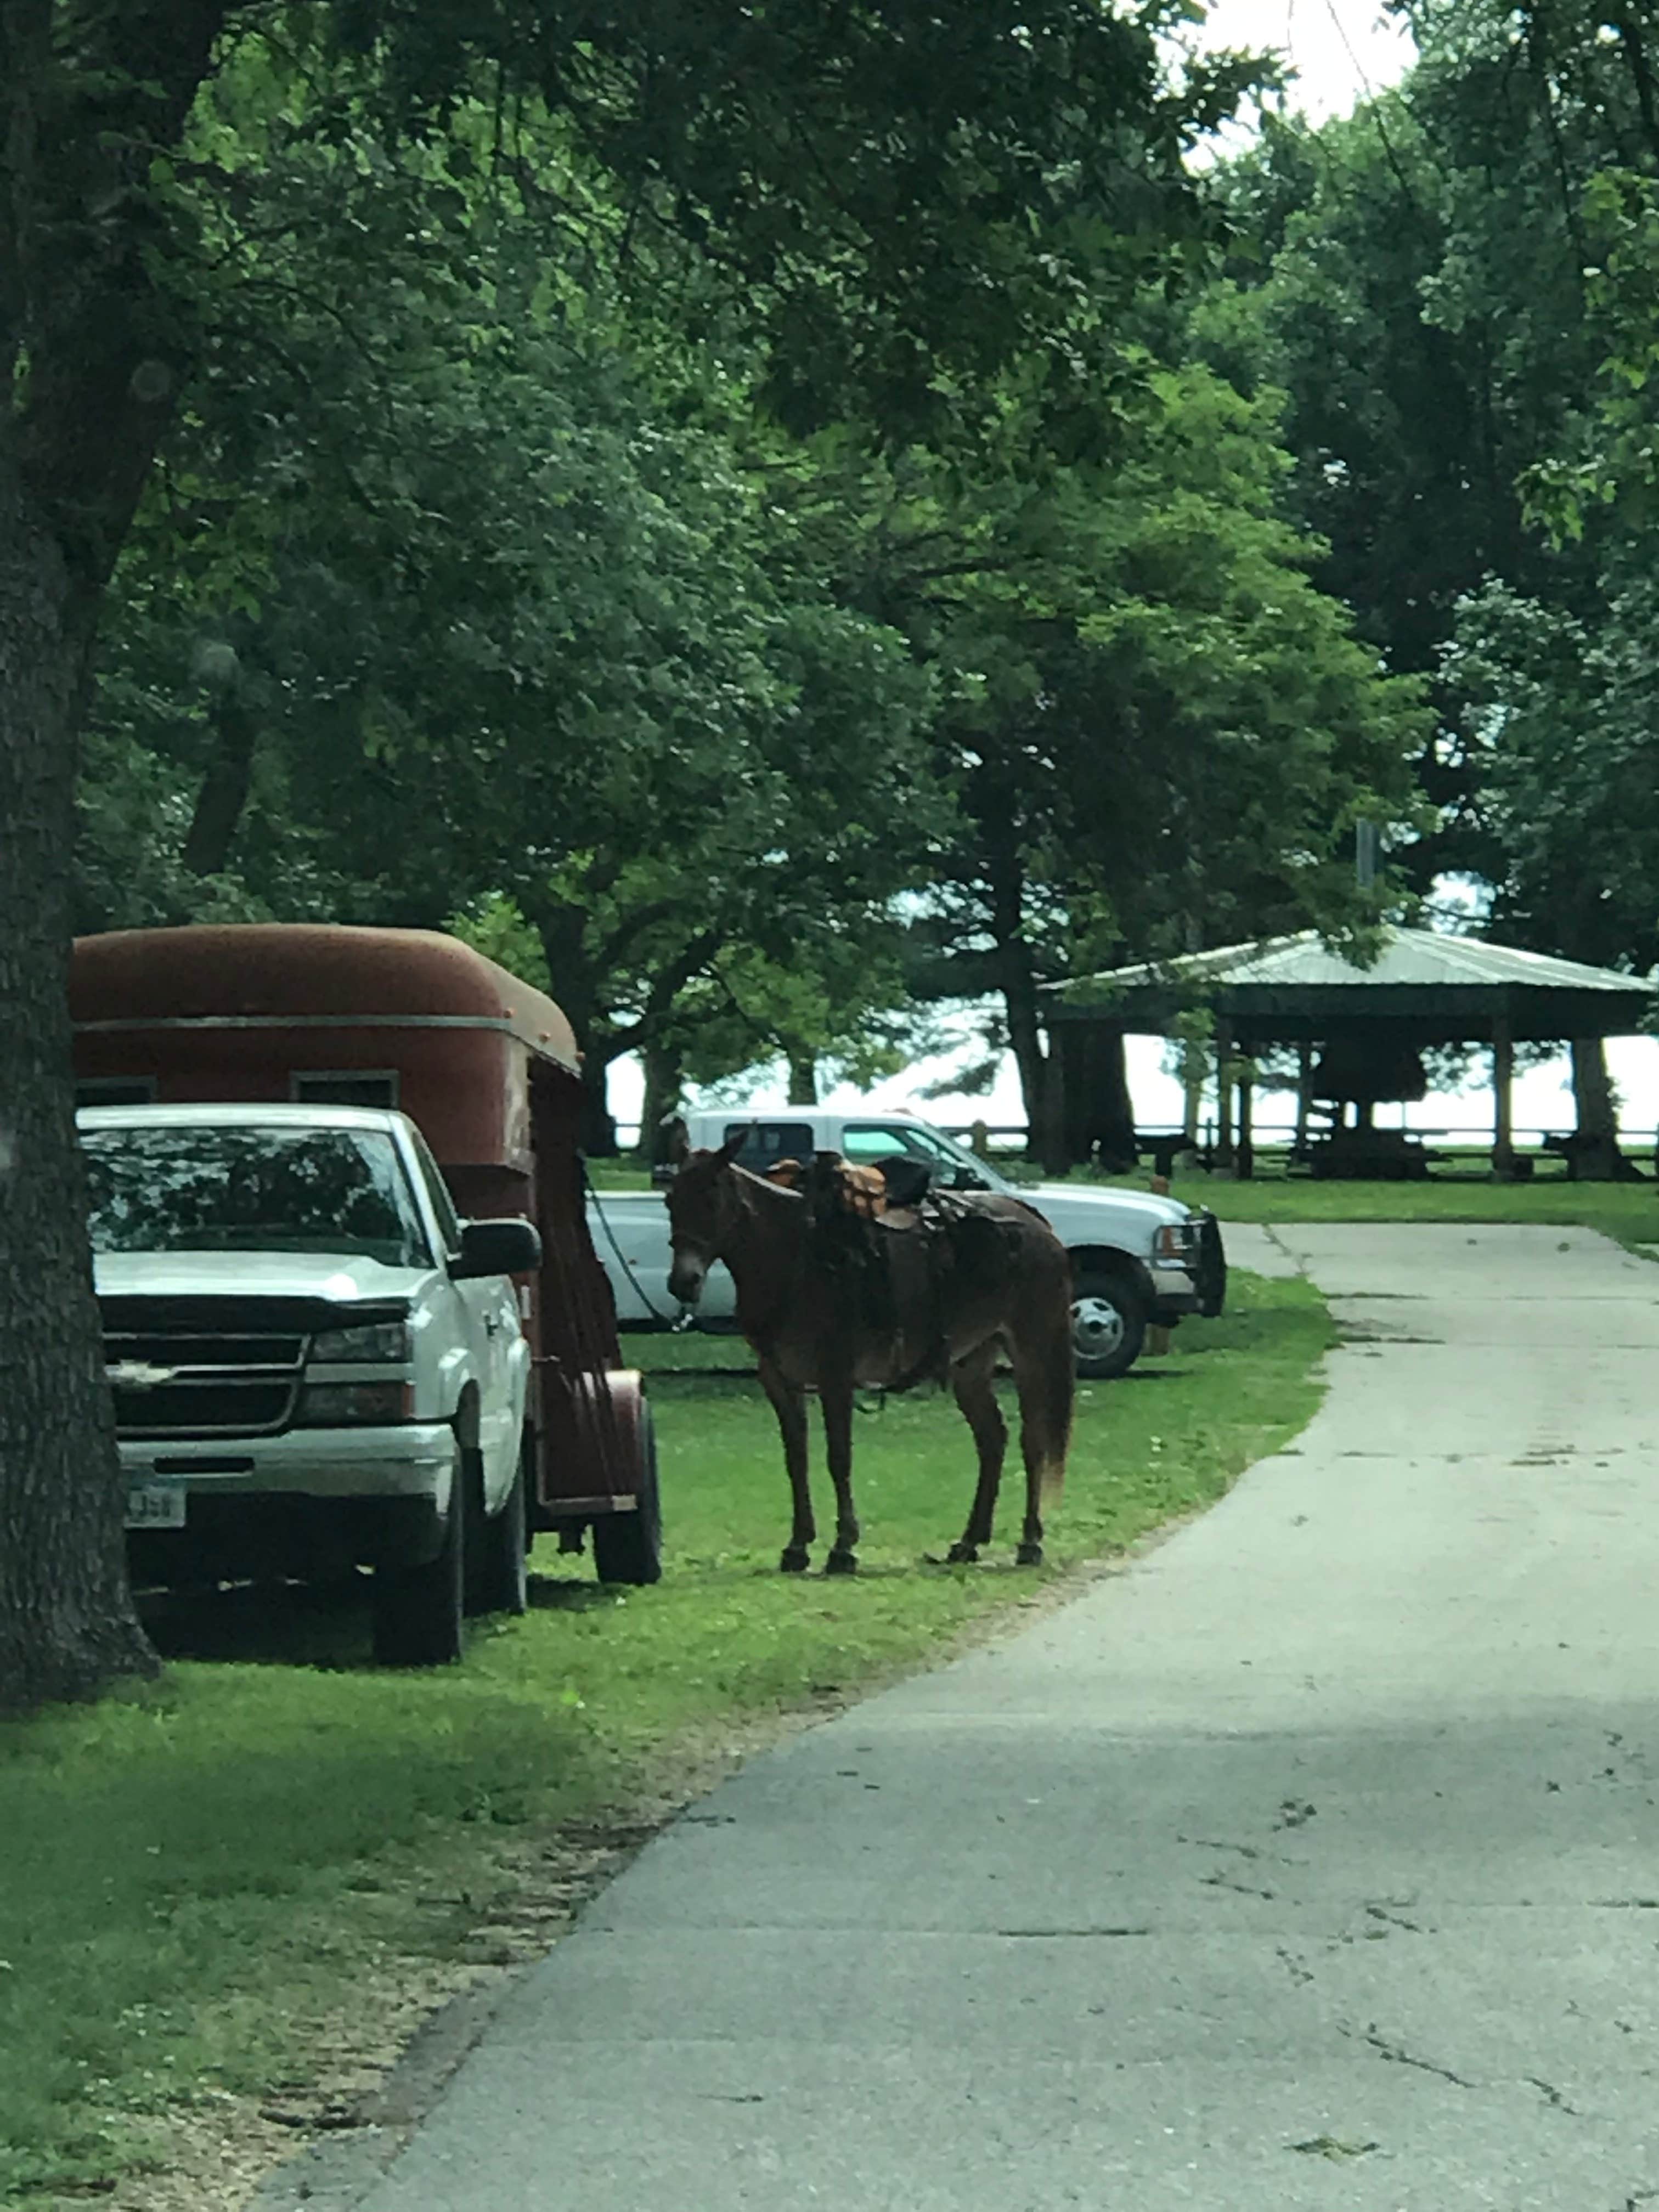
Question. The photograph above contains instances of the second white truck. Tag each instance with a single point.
(1138, 1259)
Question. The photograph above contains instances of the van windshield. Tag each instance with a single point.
(207, 1189)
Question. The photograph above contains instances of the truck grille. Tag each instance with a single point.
(179, 1369)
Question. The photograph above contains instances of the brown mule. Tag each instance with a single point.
(827, 1313)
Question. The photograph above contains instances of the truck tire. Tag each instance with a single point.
(628, 1546)
(1211, 1268)
(417, 1610)
(500, 1581)
(1109, 1322)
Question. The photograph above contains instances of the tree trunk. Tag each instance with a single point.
(67, 1624)
(664, 1090)
(562, 928)
(1595, 1154)
(803, 1079)
(599, 1124)
(224, 789)
(1039, 1078)
(1099, 1113)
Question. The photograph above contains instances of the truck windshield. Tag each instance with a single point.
(207, 1189)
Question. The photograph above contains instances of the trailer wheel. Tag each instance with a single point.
(628, 1546)
(417, 1610)
(500, 1583)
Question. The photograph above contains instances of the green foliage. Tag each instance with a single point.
(1457, 294)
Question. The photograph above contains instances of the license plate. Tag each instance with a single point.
(155, 1505)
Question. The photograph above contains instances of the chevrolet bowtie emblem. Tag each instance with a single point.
(138, 1374)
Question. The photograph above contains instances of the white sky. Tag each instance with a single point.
(1341, 50)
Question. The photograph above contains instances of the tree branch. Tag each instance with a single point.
(107, 349)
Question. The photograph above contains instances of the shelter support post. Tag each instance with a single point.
(1246, 1121)
(1304, 1064)
(1224, 1097)
(1503, 1085)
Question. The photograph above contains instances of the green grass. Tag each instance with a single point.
(1627, 1211)
(197, 1874)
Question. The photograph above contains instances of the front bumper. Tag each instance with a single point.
(1175, 1289)
(414, 1459)
(301, 1507)
(1195, 1283)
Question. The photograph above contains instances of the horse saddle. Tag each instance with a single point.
(832, 1185)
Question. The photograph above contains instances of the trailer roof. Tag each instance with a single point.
(253, 975)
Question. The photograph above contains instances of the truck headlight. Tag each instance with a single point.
(1176, 1240)
(340, 1405)
(383, 1342)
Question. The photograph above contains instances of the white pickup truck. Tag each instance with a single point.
(1137, 1259)
(315, 1365)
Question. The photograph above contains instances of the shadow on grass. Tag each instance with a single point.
(565, 1593)
(282, 1624)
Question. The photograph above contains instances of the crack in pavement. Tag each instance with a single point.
(1396, 1919)
(1241, 1889)
(1397, 2055)
(1552, 2095)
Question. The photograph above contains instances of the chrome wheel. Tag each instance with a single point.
(1109, 1322)
(1097, 1329)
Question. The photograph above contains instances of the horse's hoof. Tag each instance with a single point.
(794, 1561)
(842, 1562)
(1029, 1555)
(962, 1555)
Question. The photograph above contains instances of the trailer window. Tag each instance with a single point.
(362, 1086)
(115, 1090)
(212, 1189)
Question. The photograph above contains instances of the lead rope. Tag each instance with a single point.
(679, 1322)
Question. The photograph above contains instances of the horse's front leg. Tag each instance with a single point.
(789, 1404)
(973, 1384)
(836, 1398)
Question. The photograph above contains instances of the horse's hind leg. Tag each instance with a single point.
(972, 1381)
(789, 1404)
(836, 1399)
(1044, 1376)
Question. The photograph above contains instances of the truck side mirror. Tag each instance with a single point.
(507, 1247)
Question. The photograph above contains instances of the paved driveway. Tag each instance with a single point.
(1312, 1862)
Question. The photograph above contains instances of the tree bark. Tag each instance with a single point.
(1099, 1112)
(67, 1624)
(664, 1090)
(1595, 1154)
(224, 786)
(803, 1079)
(1039, 1078)
(88, 100)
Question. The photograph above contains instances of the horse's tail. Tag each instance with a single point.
(1053, 1392)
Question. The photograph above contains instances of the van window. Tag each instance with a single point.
(766, 1142)
(871, 1140)
(953, 1169)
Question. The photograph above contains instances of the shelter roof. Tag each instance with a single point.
(1420, 977)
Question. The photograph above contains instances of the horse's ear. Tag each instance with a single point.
(675, 1143)
(734, 1144)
